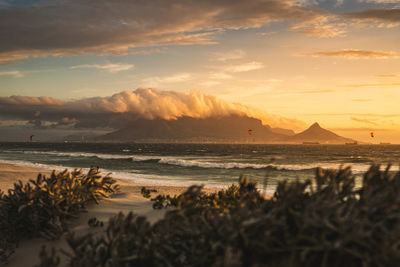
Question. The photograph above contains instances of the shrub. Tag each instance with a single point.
(325, 222)
(224, 200)
(43, 206)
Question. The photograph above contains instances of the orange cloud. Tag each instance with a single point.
(354, 54)
(355, 114)
(388, 76)
(317, 91)
(363, 120)
(254, 65)
(361, 129)
(372, 85)
(30, 101)
(361, 100)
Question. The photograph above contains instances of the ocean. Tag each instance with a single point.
(212, 165)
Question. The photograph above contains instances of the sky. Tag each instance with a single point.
(289, 62)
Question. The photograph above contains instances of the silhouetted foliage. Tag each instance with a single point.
(94, 222)
(48, 260)
(147, 192)
(43, 206)
(330, 222)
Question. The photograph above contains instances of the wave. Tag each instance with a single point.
(74, 154)
(175, 161)
(210, 165)
(131, 176)
(206, 163)
(39, 166)
(356, 168)
(190, 162)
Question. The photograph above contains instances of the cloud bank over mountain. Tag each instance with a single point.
(122, 108)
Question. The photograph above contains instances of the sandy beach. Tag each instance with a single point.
(128, 199)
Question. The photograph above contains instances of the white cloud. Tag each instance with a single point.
(181, 77)
(254, 65)
(266, 33)
(155, 81)
(355, 53)
(11, 73)
(229, 55)
(112, 68)
(220, 76)
(209, 83)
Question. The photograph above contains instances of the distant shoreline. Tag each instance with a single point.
(195, 143)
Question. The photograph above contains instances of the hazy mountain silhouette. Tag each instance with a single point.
(226, 129)
(282, 131)
(317, 134)
(186, 129)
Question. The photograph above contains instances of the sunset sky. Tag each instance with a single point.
(291, 62)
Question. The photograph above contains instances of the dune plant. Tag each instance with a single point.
(194, 197)
(43, 206)
(328, 221)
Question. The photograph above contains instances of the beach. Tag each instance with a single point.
(129, 199)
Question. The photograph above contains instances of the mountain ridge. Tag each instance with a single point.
(315, 133)
(227, 129)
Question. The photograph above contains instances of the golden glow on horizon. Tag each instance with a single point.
(296, 62)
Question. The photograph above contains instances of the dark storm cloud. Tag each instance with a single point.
(115, 27)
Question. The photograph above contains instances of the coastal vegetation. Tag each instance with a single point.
(44, 206)
(327, 221)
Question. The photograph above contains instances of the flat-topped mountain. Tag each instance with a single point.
(315, 133)
(232, 128)
(228, 129)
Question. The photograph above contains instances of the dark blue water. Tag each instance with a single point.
(213, 165)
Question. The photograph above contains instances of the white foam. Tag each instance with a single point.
(138, 178)
(210, 165)
(77, 154)
(178, 161)
(39, 166)
(356, 168)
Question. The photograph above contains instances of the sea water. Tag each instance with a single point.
(212, 165)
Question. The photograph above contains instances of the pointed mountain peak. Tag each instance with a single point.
(315, 126)
(318, 134)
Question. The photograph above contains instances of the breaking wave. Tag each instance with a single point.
(206, 162)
